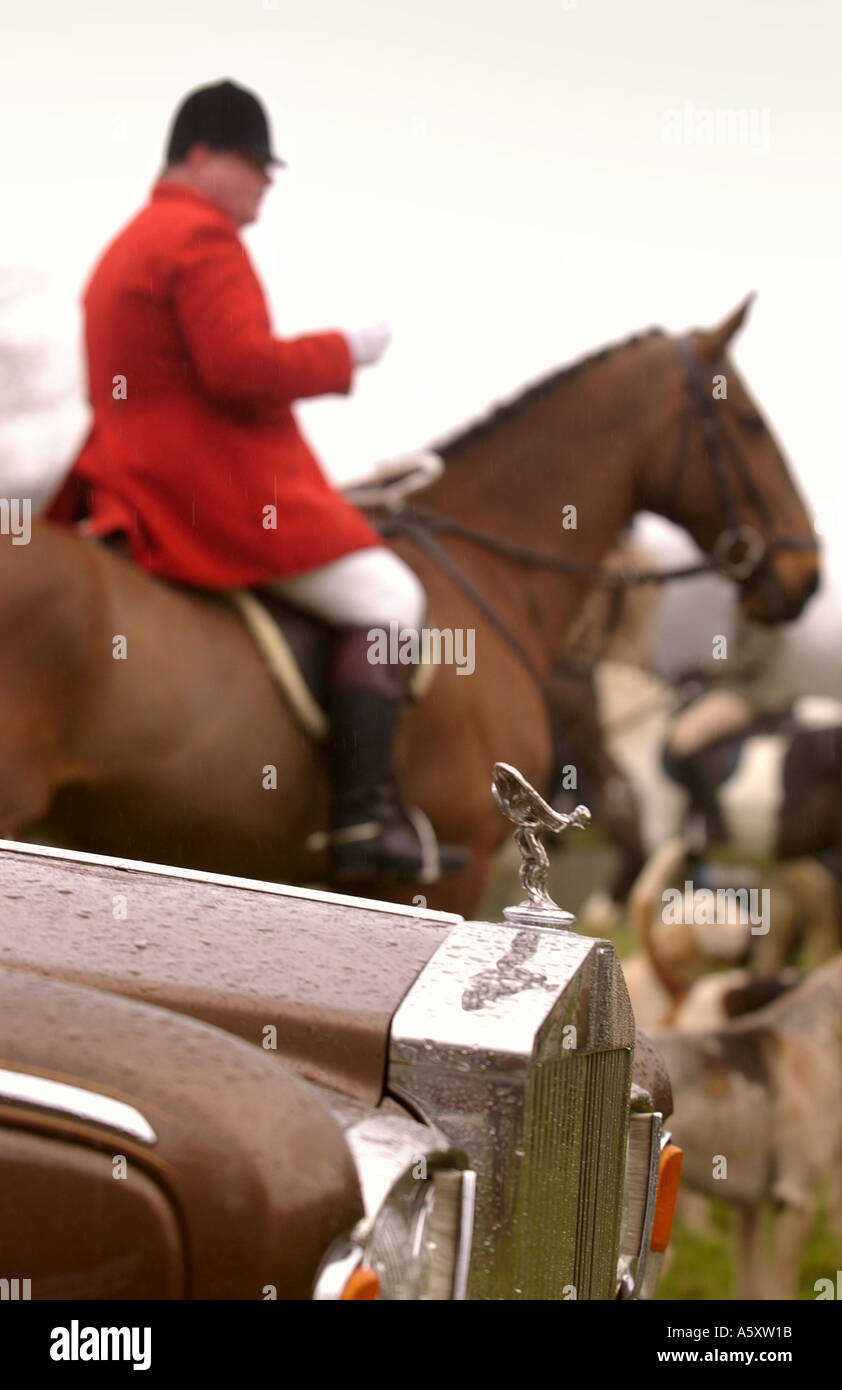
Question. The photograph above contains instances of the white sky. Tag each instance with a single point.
(490, 179)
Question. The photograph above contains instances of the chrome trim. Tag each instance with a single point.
(655, 1120)
(254, 885)
(338, 1266)
(655, 1258)
(466, 1240)
(384, 1149)
(58, 1097)
(480, 1047)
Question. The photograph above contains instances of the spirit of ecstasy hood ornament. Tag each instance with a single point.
(531, 814)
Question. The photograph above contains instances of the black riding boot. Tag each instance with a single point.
(371, 834)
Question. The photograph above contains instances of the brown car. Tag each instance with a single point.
(214, 1088)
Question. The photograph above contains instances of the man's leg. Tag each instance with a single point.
(371, 834)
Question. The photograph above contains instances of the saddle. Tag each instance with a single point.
(713, 716)
(296, 649)
(295, 646)
(714, 723)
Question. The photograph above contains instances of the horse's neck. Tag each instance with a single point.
(554, 473)
(545, 483)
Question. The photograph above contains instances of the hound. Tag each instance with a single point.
(758, 1113)
(670, 980)
(675, 958)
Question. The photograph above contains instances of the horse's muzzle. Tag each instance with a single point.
(780, 589)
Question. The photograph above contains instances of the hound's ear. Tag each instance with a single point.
(713, 341)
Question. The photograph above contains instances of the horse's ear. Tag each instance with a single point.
(713, 341)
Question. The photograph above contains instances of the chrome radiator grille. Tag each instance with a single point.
(517, 1044)
(567, 1222)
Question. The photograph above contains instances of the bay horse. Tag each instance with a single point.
(162, 755)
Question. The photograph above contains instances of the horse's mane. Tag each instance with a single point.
(467, 434)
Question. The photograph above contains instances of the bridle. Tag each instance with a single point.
(740, 552)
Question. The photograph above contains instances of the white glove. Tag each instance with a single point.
(367, 345)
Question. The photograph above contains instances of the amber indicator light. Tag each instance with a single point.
(362, 1284)
(669, 1175)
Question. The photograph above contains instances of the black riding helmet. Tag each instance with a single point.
(225, 117)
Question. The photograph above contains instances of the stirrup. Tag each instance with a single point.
(430, 870)
(428, 841)
(348, 835)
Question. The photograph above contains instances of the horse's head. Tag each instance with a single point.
(723, 478)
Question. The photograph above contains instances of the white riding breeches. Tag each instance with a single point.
(368, 588)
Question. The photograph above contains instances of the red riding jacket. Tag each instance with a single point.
(202, 463)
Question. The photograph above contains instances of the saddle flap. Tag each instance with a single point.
(296, 649)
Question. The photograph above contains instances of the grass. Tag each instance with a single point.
(700, 1266)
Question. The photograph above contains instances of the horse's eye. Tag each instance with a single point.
(753, 423)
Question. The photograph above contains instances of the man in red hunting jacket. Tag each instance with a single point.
(195, 455)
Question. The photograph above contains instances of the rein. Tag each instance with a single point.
(423, 520)
(423, 525)
(420, 532)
